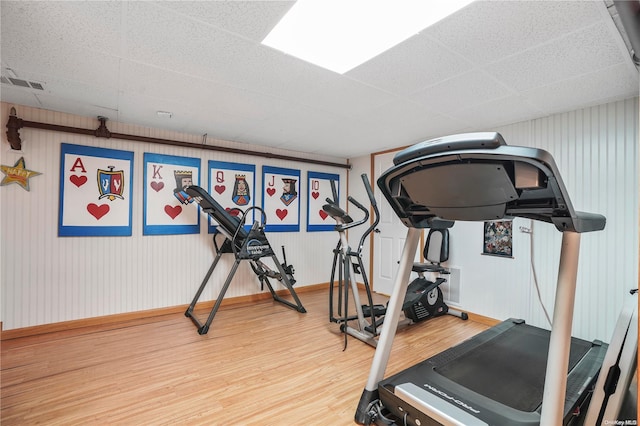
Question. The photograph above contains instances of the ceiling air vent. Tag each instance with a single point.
(19, 82)
(22, 83)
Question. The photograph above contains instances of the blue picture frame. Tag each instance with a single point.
(158, 220)
(218, 193)
(278, 208)
(91, 175)
(318, 190)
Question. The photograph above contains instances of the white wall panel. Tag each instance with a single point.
(596, 150)
(47, 279)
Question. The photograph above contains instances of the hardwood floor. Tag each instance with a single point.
(260, 364)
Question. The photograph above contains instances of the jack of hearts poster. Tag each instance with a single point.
(281, 199)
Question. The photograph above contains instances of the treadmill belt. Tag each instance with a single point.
(518, 357)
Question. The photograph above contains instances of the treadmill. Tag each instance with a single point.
(513, 373)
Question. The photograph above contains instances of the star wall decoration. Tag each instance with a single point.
(18, 173)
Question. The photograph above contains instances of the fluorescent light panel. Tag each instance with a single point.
(342, 34)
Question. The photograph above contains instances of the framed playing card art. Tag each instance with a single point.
(232, 185)
(166, 207)
(319, 189)
(95, 191)
(281, 199)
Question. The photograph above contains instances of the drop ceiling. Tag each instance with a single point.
(490, 64)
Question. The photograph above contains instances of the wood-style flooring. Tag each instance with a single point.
(260, 364)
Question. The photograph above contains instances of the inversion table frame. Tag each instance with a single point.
(477, 177)
(251, 246)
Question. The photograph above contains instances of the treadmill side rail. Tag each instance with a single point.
(623, 356)
(390, 325)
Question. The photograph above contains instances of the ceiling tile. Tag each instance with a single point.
(291, 123)
(250, 19)
(160, 38)
(61, 91)
(486, 31)
(142, 80)
(345, 96)
(581, 52)
(589, 89)
(411, 66)
(50, 27)
(511, 109)
(461, 91)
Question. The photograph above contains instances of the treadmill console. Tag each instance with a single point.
(478, 177)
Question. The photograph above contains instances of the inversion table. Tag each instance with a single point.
(249, 245)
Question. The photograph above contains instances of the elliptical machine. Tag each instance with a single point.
(347, 263)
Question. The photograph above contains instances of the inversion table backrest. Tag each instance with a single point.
(225, 220)
(477, 177)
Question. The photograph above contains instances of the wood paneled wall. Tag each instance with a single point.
(596, 150)
(47, 279)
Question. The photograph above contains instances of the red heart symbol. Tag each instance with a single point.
(323, 214)
(95, 210)
(271, 191)
(233, 212)
(219, 188)
(315, 195)
(172, 211)
(157, 186)
(79, 181)
(281, 213)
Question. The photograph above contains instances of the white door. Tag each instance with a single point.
(389, 242)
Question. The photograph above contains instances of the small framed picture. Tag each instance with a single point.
(498, 238)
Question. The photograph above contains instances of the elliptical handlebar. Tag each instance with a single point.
(358, 205)
(357, 222)
(334, 209)
(367, 186)
(376, 212)
(334, 192)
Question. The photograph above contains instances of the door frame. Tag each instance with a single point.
(372, 179)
